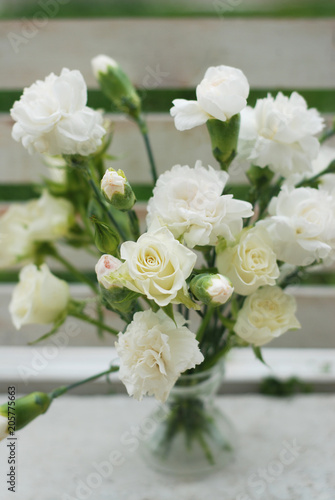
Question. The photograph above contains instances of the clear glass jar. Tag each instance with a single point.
(191, 436)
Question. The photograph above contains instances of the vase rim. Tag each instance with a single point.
(218, 366)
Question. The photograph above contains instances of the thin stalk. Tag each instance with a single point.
(93, 321)
(103, 206)
(204, 323)
(144, 131)
(65, 388)
(74, 271)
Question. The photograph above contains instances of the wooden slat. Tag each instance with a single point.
(315, 312)
(174, 52)
(30, 367)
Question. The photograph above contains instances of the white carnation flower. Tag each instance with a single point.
(158, 265)
(39, 297)
(153, 352)
(221, 94)
(189, 202)
(279, 133)
(52, 117)
(251, 263)
(44, 219)
(302, 225)
(266, 314)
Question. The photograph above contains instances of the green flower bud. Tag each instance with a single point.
(117, 190)
(116, 85)
(224, 138)
(106, 238)
(24, 411)
(211, 289)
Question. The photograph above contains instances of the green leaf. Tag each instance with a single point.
(258, 354)
(55, 328)
(169, 312)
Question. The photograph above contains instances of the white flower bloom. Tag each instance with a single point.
(158, 265)
(221, 94)
(52, 117)
(15, 241)
(220, 290)
(153, 352)
(278, 133)
(3, 427)
(101, 63)
(44, 219)
(266, 314)
(39, 297)
(112, 183)
(251, 263)
(189, 202)
(50, 217)
(106, 264)
(302, 226)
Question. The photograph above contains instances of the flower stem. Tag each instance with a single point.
(93, 321)
(144, 131)
(204, 323)
(103, 205)
(65, 388)
(73, 270)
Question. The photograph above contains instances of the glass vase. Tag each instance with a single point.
(191, 435)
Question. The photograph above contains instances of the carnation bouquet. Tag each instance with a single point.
(211, 270)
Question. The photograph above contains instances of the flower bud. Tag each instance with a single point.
(26, 409)
(211, 289)
(117, 190)
(106, 238)
(116, 85)
(224, 137)
(106, 264)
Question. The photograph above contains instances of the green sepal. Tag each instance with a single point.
(224, 139)
(169, 312)
(258, 354)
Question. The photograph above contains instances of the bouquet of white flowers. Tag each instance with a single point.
(225, 260)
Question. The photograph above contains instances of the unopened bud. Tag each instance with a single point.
(106, 238)
(26, 409)
(116, 85)
(117, 190)
(211, 289)
(106, 264)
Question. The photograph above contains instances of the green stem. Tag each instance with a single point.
(54, 254)
(93, 321)
(144, 131)
(327, 170)
(65, 388)
(204, 323)
(103, 205)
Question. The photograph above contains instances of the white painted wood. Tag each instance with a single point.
(41, 366)
(161, 53)
(315, 311)
(85, 447)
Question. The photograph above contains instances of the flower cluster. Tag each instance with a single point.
(205, 250)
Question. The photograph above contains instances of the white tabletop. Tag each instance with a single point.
(60, 451)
